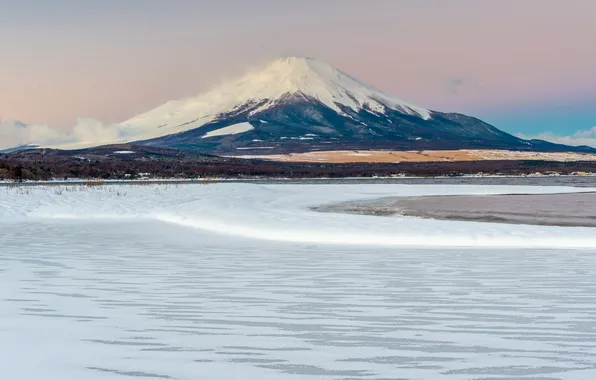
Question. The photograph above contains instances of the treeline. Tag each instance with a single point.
(47, 167)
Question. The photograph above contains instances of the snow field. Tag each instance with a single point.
(282, 213)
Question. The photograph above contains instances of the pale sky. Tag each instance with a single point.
(526, 66)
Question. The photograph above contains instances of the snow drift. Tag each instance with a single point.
(282, 213)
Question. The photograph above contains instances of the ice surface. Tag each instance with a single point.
(573, 210)
(95, 286)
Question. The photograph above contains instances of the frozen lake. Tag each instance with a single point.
(200, 282)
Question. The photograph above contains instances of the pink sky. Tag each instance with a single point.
(63, 59)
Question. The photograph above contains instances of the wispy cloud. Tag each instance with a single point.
(85, 131)
(455, 85)
(585, 137)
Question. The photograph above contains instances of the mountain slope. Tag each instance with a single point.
(303, 104)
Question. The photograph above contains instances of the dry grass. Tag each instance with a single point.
(88, 186)
(377, 156)
(93, 183)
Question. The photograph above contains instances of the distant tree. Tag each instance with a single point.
(17, 173)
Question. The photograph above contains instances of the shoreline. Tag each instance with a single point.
(541, 180)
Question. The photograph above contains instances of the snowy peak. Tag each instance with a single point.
(316, 79)
(262, 89)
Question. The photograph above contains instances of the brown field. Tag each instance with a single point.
(382, 156)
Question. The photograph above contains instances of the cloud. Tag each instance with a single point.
(457, 84)
(92, 131)
(85, 131)
(15, 133)
(585, 137)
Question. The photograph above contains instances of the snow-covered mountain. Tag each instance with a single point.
(256, 92)
(303, 104)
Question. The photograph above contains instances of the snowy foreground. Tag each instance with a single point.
(242, 281)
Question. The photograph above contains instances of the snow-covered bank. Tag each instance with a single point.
(282, 213)
(96, 285)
